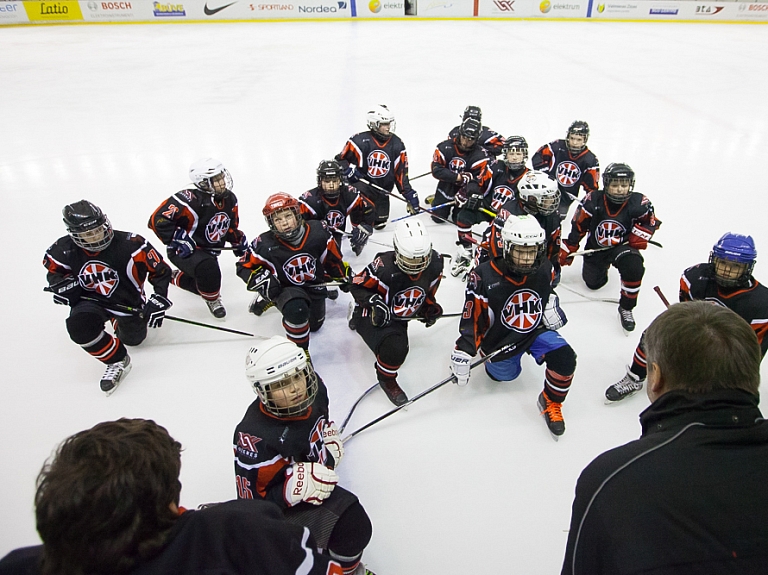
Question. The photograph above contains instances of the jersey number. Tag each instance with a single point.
(243, 489)
(171, 211)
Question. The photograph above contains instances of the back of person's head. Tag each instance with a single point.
(701, 347)
(103, 502)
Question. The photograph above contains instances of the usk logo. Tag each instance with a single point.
(217, 227)
(522, 311)
(98, 277)
(568, 173)
(378, 164)
(407, 302)
(300, 269)
(609, 233)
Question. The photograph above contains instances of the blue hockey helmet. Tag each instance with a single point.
(732, 260)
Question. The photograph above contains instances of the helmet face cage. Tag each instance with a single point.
(473, 112)
(211, 176)
(276, 396)
(275, 208)
(523, 244)
(732, 260)
(468, 131)
(515, 144)
(378, 116)
(88, 226)
(330, 178)
(621, 174)
(517, 257)
(412, 265)
(577, 128)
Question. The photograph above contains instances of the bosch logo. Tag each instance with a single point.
(217, 227)
(522, 311)
(568, 174)
(501, 195)
(300, 269)
(98, 277)
(407, 302)
(609, 233)
(378, 164)
(457, 165)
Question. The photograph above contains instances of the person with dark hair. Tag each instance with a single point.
(108, 504)
(688, 496)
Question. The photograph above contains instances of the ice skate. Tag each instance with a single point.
(627, 319)
(333, 294)
(626, 386)
(353, 315)
(114, 374)
(216, 308)
(553, 415)
(362, 570)
(462, 263)
(394, 392)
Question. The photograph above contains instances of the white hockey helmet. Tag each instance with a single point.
(380, 115)
(281, 376)
(538, 193)
(524, 244)
(210, 176)
(413, 248)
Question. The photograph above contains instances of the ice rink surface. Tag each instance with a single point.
(469, 479)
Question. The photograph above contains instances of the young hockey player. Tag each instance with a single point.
(285, 265)
(490, 141)
(194, 223)
(396, 286)
(725, 280)
(509, 300)
(333, 200)
(99, 273)
(287, 450)
(379, 157)
(619, 222)
(570, 163)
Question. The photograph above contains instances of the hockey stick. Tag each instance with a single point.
(419, 176)
(658, 291)
(354, 406)
(590, 298)
(349, 235)
(504, 349)
(437, 207)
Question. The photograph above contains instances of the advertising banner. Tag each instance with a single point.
(12, 13)
(269, 9)
(533, 8)
(380, 8)
(445, 8)
(659, 10)
(60, 11)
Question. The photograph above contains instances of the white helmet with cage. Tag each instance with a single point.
(281, 376)
(524, 244)
(538, 193)
(210, 176)
(413, 248)
(380, 115)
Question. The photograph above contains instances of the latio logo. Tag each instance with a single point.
(504, 5)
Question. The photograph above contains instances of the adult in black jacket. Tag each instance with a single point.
(689, 496)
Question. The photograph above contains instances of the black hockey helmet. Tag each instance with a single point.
(515, 143)
(88, 226)
(472, 112)
(577, 128)
(618, 172)
(470, 130)
(330, 177)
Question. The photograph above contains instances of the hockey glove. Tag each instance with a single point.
(464, 178)
(554, 316)
(263, 282)
(566, 250)
(639, 236)
(360, 235)
(413, 201)
(431, 313)
(352, 174)
(240, 244)
(333, 443)
(310, 482)
(182, 244)
(66, 292)
(259, 305)
(154, 310)
(474, 201)
(460, 366)
(380, 314)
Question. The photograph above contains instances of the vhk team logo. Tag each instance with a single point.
(568, 173)
(609, 233)
(217, 227)
(522, 312)
(334, 219)
(98, 277)
(457, 165)
(300, 269)
(407, 302)
(501, 195)
(378, 164)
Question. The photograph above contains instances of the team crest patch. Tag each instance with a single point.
(300, 269)
(407, 302)
(568, 174)
(378, 164)
(317, 451)
(98, 277)
(609, 233)
(334, 219)
(501, 195)
(522, 311)
(246, 444)
(457, 165)
(217, 227)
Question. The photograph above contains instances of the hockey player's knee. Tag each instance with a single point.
(296, 311)
(561, 360)
(393, 349)
(352, 532)
(208, 275)
(84, 327)
(631, 268)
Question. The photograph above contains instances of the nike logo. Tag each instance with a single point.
(212, 11)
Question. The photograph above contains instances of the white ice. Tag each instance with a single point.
(467, 480)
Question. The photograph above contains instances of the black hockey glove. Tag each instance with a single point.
(352, 174)
(240, 244)
(66, 292)
(474, 201)
(182, 244)
(154, 310)
(259, 305)
(431, 313)
(264, 283)
(380, 314)
(413, 201)
(360, 235)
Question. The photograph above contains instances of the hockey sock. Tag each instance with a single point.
(629, 291)
(106, 349)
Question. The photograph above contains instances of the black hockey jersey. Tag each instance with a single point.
(384, 163)
(115, 275)
(502, 309)
(751, 303)
(504, 186)
(209, 222)
(266, 445)
(448, 161)
(232, 538)
(407, 296)
(490, 140)
(349, 203)
(609, 225)
(315, 259)
(569, 171)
